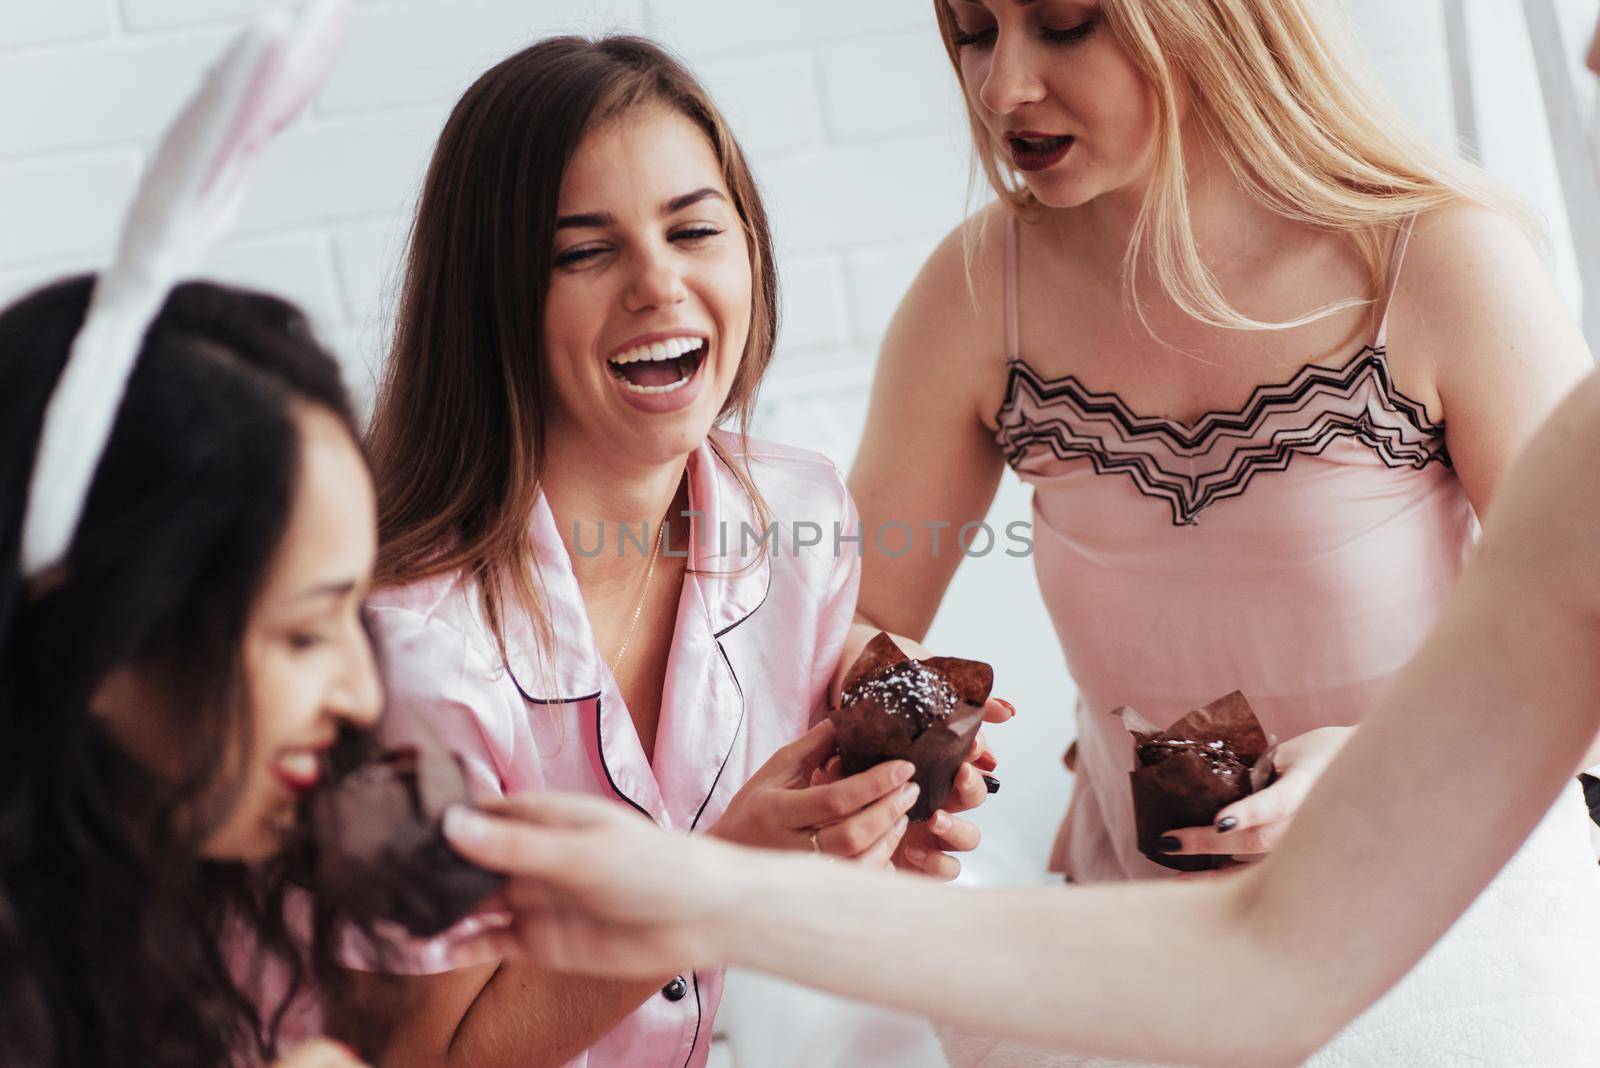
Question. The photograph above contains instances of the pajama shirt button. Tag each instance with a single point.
(675, 990)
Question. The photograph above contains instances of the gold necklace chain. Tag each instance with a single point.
(638, 608)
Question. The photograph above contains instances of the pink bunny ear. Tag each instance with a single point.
(184, 202)
(312, 50)
(286, 77)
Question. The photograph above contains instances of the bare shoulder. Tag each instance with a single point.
(1469, 269)
(1464, 251)
(1476, 304)
(958, 293)
(950, 324)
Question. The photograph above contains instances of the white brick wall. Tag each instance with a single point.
(24, 23)
(847, 108)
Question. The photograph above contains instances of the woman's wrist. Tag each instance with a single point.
(749, 881)
(783, 907)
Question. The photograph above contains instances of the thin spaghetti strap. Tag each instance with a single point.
(1395, 259)
(1013, 324)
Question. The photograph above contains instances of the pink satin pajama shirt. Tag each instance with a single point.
(757, 638)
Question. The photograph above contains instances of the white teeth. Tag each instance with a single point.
(670, 349)
(299, 764)
(679, 384)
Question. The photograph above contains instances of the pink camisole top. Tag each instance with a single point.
(1297, 549)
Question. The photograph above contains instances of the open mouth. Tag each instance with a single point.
(1034, 153)
(298, 769)
(660, 366)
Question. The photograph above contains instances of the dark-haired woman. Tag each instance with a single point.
(167, 686)
(583, 593)
(187, 529)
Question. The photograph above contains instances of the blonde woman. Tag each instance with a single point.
(1263, 355)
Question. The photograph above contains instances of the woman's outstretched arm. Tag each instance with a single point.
(1450, 773)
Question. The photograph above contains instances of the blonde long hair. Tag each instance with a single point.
(1282, 88)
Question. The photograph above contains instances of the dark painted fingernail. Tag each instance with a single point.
(1227, 823)
(1009, 706)
(1168, 844)
(992, 784)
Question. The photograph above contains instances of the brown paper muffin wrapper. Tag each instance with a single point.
(1208, 759)
(870, 735)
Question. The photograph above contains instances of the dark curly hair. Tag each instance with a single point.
(114, 930)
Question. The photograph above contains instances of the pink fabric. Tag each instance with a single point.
(755, 646)
(1297, 550)
(1394, 279)
(1013, 319)
(285, 81)
(265, 980)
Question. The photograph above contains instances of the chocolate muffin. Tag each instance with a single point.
(380, 850)
(1189, 772)
(926, 711)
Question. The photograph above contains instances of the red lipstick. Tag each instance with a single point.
(1034, 151)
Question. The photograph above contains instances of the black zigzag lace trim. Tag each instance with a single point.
(1189, 494)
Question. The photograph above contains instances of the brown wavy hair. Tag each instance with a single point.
(457, 436)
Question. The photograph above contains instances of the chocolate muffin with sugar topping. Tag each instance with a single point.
(894, 707)
(909, 689)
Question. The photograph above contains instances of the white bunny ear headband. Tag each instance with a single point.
(185, 201)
